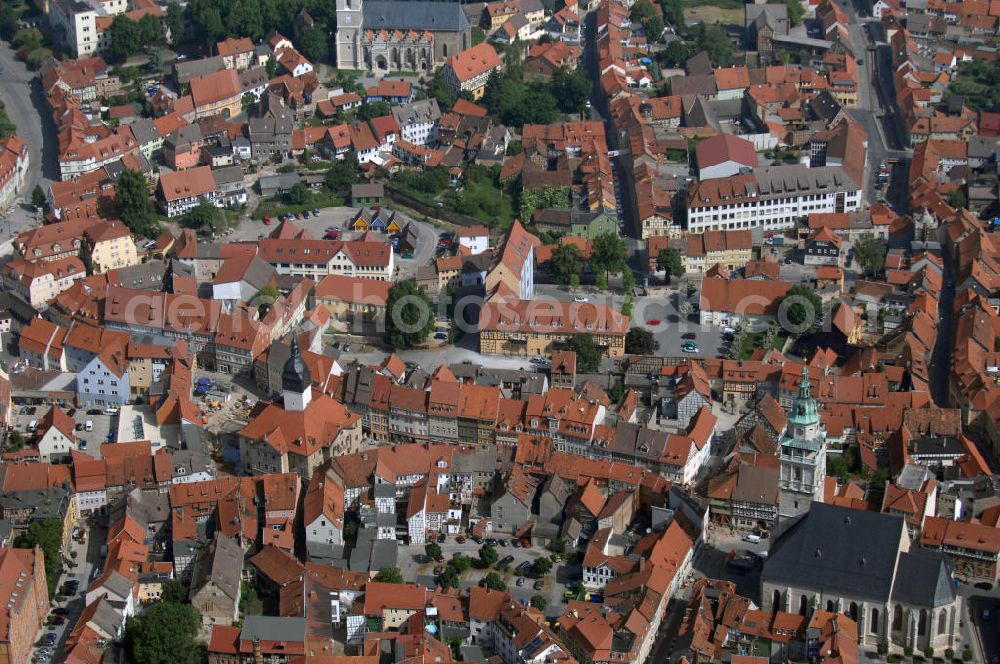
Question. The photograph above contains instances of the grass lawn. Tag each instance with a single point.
(715, 14)
(484, 200)
(273, 208)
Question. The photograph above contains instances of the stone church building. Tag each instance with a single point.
(399, 35)
(862, 563)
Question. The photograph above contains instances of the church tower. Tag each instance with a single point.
(349, 26)
(296, 381)
(802, 455)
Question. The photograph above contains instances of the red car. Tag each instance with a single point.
(460, 539)
(267, 221)
(653, 321)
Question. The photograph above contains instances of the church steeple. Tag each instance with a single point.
(804, 411)
(296, 381)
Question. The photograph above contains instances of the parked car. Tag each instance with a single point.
(441, 335)
(502, 542)
(984, 585)
(438, 570)
(580, 298)
(460, 539)
(521, 581)
(347, 347)
(94, 411)
(689, 335)
(690, 347)
(316, 212)
(538, 585)
(442, 538)
(507, 560)
(60, 611)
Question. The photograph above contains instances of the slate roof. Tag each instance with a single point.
(414, 15)
(917, 569)
(837, 550)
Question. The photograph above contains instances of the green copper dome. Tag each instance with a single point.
(804, 409)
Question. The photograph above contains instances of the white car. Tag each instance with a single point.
(728, 330)
(580, 298)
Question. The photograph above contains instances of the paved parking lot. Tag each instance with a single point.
(555, 582)
(87, 441)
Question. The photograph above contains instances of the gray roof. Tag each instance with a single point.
(188, 69)
(937, 446)
(368, 190)
(773, 15)
(426, 110)
(184, 135)
(228, 175)
(923, 579)
(144, 131)
(414, 15)
(756, 484)
(273, 628)
(221, 563)
(824, 106)
(106, 617)
(838, 551)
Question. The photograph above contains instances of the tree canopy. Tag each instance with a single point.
(298, 194)
(164, 634)
(644, 12)
(978, 82)
(566, 264)
(571, 88)
(46, 534)
(342, 174)
(315, 44)
(714, 41)
(132, 199)
(516, 102)
(389, 575)
(671, 262)
(129, 37)
(869, 252)
(408, 318)
(488, 555)
(541, 199)
(609, 254)
(640, 341)
(795, 11)
(588, 355)
(802, 308)
(493, 581)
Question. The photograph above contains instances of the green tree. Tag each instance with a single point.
(150, 30)
(956, 199)
(673, 12)
(566, 262)
(795, 11)
(247, 101)
(8, 21)
(271, 66)
(373, 109)
(542, 566)
(571, 88)
(46, 534)
(539, 602)
(132, 199)
(164, 634)
(714, 41)
(870, 254)
(409, 318)
(440, 90)
(126, 39)
(389, 575)
(670, 261)
(38, 196)
(315, 44)
(174, 21)
(433, 550)
(617, 391)
(644, 12)
(609, 254)
(802, 308)
(676, 53)
(342, 174)
(201, 216)
(588, 355)
(460, 563)
(298, 194)
(493, 581)
(448, 578)
(174, 591)
(640, 341)
(488, 555)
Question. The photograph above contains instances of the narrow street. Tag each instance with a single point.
(21, 93)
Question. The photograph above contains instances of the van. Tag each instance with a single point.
(89, 426)
(32, 425)
(753, 539)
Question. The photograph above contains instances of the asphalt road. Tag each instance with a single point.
(21, 93)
